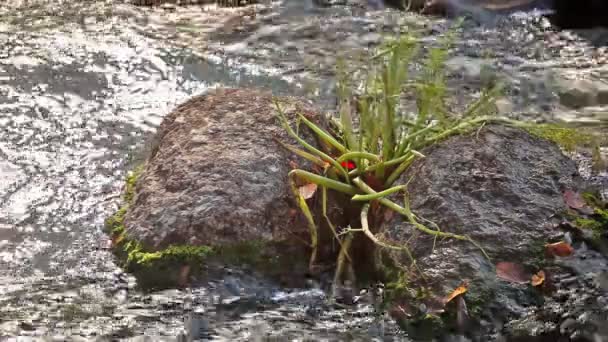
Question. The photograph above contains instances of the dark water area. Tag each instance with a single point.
(77, 107)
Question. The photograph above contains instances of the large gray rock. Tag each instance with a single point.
(217, 175)
(500, 186)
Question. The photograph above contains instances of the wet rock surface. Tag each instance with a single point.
(576, 309)
(504, 189)
(217, 174)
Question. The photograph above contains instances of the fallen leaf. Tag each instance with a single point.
(573, 199)
(512, 272)
(539, 278)
(308, 190)
(457, 292)
(560, 249)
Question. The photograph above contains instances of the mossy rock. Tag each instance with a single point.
(161, 269)
(215, 188)
(500, 187)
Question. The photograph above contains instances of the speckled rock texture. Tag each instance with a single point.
(218, 175)
(500, 186)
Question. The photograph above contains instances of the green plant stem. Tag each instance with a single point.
(399, 170)
(343, 259)
(323, 135)
(324, 181)
(471, 122)
(407, 213)
(308, 146)
(358, 155)
(331, 226)
(314, 236)
(357, 172)
(308, 156)
(410, 137)
(378, 195)
(371, 236)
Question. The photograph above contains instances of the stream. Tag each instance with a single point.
(83, 87)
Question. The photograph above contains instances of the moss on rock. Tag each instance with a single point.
(160, 269)
(598, 221)
(565, 137)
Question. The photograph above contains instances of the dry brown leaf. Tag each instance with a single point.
(308, 190)
(573, 199)
(457, 292)
(512, 272)
(539, 278)
(560, 249)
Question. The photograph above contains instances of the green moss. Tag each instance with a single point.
(567, 138)
(131, 182)
(150, 267)
(186, 255)
(596, 222)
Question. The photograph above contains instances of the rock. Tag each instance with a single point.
(504, 106)
(501, 187)
(217, 177)
(577, 93)
(580, 14)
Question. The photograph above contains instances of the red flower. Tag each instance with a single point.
(348, 165)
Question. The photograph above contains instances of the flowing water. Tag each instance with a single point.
(82, 88)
